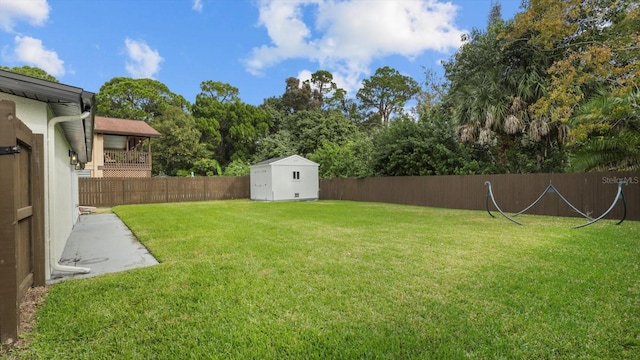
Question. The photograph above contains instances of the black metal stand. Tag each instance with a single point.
(552, 189)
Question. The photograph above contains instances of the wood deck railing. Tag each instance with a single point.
(127, 159)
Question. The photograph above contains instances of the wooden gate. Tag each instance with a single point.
(21, 217)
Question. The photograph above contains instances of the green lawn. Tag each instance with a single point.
(347, 280)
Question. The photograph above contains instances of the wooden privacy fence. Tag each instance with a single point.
(123, 191)
(591, 193)
(21, 217)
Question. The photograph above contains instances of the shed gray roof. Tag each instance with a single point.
(274, 160)
(63, 100)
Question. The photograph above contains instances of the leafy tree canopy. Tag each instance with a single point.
(275, 145)
(310, 129)
(615, 143)
(219, 91)
(386, 92)
(426, 147)
(304, 132)
(139, 99)
(229, 127)
(593, 45)
(298, 96)
(492, 86)
(237, 168)
(323, 88)
(31, 71)
(206, 167)
(179, 147)
(314, 94)
(353, 158)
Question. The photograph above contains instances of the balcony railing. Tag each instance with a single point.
(127, 159)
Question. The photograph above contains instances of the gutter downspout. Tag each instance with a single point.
(51, 127)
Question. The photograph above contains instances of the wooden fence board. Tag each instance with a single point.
(122, 191)
(591, 193)
(21, 217)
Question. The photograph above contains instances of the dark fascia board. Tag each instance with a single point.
(126, 133)
(53, 93)
(42, 90)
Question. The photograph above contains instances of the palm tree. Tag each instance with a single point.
(619, 151)
(607, 131)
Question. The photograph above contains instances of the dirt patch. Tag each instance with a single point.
(89, 210)
(102, 211)
(30, 303)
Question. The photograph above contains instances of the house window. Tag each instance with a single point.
(296, 175)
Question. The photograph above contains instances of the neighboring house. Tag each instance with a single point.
(64, 115)
(122, 148)
(286, 178)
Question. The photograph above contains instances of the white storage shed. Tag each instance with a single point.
(285, 178)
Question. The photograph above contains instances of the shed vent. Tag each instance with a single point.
(296, 195)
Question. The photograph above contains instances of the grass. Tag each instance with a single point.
(346, 280)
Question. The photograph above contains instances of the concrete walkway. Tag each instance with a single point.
(103, 243)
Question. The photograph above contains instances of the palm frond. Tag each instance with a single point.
(618, 151)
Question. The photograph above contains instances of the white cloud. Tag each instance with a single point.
(31, 51)
(197, 5)
(348, 83)
(35, 12)
(347, 36)
(288, 33)
(143, 62)
(304, 75)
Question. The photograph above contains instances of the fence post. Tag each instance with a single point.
(9, 308)
(203, 197)
(166, 190)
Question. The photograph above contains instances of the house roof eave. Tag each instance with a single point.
(127, 127)
(63, 100)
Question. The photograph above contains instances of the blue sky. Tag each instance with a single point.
(253, 45)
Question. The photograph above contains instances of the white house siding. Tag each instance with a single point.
(64, 200)
(32, 113)
(65, 197)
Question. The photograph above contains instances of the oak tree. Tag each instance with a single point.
(137, 99)
(386, 93)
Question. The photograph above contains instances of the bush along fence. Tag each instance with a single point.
(590, 193)
(107, 192)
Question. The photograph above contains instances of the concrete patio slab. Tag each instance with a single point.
(103, 243)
